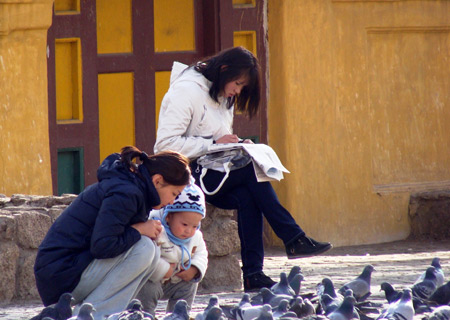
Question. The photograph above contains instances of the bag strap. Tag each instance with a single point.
(226, 166)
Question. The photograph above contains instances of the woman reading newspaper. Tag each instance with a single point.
(196, 113)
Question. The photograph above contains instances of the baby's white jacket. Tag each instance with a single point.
(171, 253)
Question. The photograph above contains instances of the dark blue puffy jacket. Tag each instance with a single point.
(97, 225)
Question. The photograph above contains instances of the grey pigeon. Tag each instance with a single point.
(427, 286)
(62, 310)
(281, 309)
(266, 313)
(265, 296)
(442, 295)
(213, 302)
(327, 286)
(294, 271)
(439, 273)
(134, 309)
(390, 293)
(360, 285)
(85, 312)
(248, 313)
(214, 313)
(302, 307)
(296, 283)
(283, 287)
(180, 311)
(328, 304)
(345, 310)
(440, 313)
(400, 310)
(245, 301)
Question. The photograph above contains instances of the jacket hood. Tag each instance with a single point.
(112, 167)
(182, 72)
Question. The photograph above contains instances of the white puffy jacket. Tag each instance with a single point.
(189, 119)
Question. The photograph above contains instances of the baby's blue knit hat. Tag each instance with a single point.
(190, 199)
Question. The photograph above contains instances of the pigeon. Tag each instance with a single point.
(328, 304)
(283, 287)
(439, 273)
(345, 310)
(248, 313)
(302, 307)
(214, 313)
(281, 309)
(180, 312)
(391, 294)
(442, 295)
(296, 283)
(440, 313)
(85, 312)
(62, 310)
(266, 313)
(327, 286)
(294, 271)
(134, 309)
(268, 297)
(400, 310)
(213, 302)
(427, 286)
(245, 301)
(360, 285)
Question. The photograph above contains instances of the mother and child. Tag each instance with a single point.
(107, 248)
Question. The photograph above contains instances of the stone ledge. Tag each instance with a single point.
(25, 220)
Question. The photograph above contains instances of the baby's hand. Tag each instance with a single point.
(149, 228)
(189, 274)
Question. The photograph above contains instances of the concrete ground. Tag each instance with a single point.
(399, 263)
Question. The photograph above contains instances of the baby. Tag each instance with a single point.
(184, 257)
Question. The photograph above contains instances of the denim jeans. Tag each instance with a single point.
(253, 201)
(110, 284)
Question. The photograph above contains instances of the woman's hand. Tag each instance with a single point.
(228, 138)
(149, 228)
(189, 274)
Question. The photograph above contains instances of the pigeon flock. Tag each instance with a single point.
(428, 297)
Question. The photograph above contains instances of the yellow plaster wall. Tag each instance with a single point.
(358, 107)
(24, 142)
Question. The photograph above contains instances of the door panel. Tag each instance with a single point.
(113, 67)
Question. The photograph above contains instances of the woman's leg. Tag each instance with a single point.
(110, 284)
(261, 193)
(265, 199)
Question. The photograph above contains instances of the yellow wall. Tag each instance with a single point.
(358, 111)
(24, 141)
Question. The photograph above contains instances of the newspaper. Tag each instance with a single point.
(266, 163)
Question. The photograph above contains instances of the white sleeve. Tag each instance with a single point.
(200, 258)
(176, 114)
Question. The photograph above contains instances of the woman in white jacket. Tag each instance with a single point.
(197, 112)
(184, 257)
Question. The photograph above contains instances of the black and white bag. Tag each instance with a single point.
(222, 161)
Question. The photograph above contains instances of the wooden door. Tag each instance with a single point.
(109, 65)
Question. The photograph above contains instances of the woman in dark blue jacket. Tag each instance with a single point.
(100, 247)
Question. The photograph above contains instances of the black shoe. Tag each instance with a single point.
(257, 281)
(306, 247)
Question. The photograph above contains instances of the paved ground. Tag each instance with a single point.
(399, 263)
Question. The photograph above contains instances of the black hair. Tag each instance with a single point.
(231, 64)
(171, 165)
